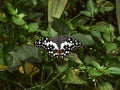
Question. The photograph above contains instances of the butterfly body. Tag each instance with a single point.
(58, 46)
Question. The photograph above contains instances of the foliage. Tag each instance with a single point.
(92, 22)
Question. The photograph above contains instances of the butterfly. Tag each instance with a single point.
(58, 47)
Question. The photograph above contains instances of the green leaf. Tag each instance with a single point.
(110, 46)
(94, 72)
(3, 17)
(71, 77)
(18, 21)
(26, 52)
(52, 32)
(84, 27)
(92, 61)
(11, 9)
(85, 39)
(118, 38)
(107, 6)
(61, 27)
(91, 7)
(77, 22)
(49, 33)
(55, 9)
(34, 2)
(33, 27)
(103, 27)
(109, 36)
(105, 86)
(86, 13)
(61, 66)
(96, 34)
(114, 70)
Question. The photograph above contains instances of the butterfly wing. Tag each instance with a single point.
(49, 45)
(58, 46)
(68, 46)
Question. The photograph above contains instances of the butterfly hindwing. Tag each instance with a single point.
(58, 46)
(69, 45)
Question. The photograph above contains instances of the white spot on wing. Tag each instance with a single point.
(52, 43)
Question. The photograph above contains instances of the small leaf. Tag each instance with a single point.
(105, 86)
(94, 72)
(86, 13)
(44, 33)
(34, 2)
(110, 46)
(107, 6)
(114, 70)
(32, 27)
(91, 7)
(49, 33)
(11, 9)
(18, 21)
(96, 34)
(3, 17)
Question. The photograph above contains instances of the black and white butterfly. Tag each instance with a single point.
(58, 46)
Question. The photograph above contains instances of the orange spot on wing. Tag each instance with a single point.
(59, 52)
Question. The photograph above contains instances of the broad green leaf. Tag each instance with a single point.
(71, 77)
(61, 27)
(110, 46)
(103, 27)
(32, 27)
(105, 86)
(18, 21)
(55, 9)
(85, 39)
(92, 61)
(114, 70)
(24, 53)
(94, 72)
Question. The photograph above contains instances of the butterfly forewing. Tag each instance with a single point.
(58, 46)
